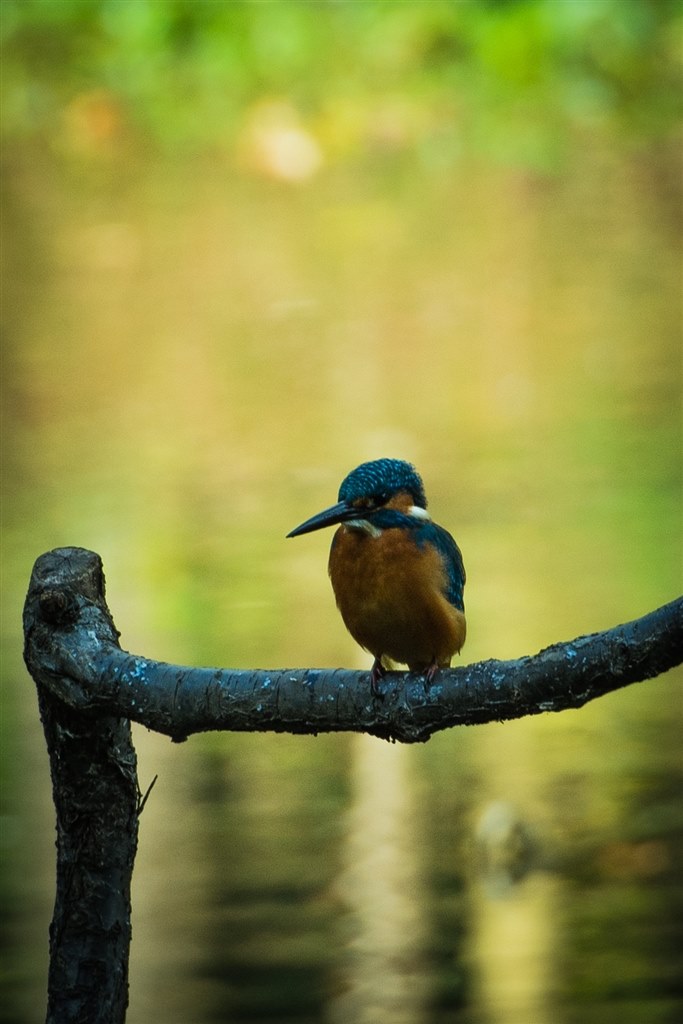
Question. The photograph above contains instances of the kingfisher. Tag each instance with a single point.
(397, 576)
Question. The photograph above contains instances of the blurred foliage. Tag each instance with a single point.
(506, 79)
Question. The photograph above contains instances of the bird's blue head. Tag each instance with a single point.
(377, 482)
(365, 492)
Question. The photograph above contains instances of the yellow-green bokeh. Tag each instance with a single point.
(246, 247)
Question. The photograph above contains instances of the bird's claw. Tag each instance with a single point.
(431, 673)
(376, 673)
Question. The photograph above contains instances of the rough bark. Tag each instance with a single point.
(94, 783)
(89, 690)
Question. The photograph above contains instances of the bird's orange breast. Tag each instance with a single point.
(391, 595)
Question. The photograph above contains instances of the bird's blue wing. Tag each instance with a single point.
(431, 533)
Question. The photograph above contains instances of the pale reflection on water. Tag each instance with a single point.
(384, 977)
(170, 884)
(513, 945)
(513, 938)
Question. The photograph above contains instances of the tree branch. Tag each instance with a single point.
(73, 653)
(89, 690)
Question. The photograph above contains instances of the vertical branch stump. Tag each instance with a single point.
(96, 794)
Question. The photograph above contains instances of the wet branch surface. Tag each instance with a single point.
(89, 691)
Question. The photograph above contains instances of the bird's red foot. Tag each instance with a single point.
(376, 673)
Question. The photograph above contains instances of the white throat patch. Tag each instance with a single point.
(365, 525)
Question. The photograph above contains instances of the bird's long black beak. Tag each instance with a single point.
(338, 513)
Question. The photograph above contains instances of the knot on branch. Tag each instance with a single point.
(58, 607)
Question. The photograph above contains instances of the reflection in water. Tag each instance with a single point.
(514, 936)
(163, 985)
(513, 923)
(384, 975)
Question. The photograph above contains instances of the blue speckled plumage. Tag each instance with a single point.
(381, 479)
(398, 577)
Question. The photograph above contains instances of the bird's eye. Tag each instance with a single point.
(366, 504)
(371, 502)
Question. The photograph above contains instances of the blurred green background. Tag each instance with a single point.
(247, 246)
